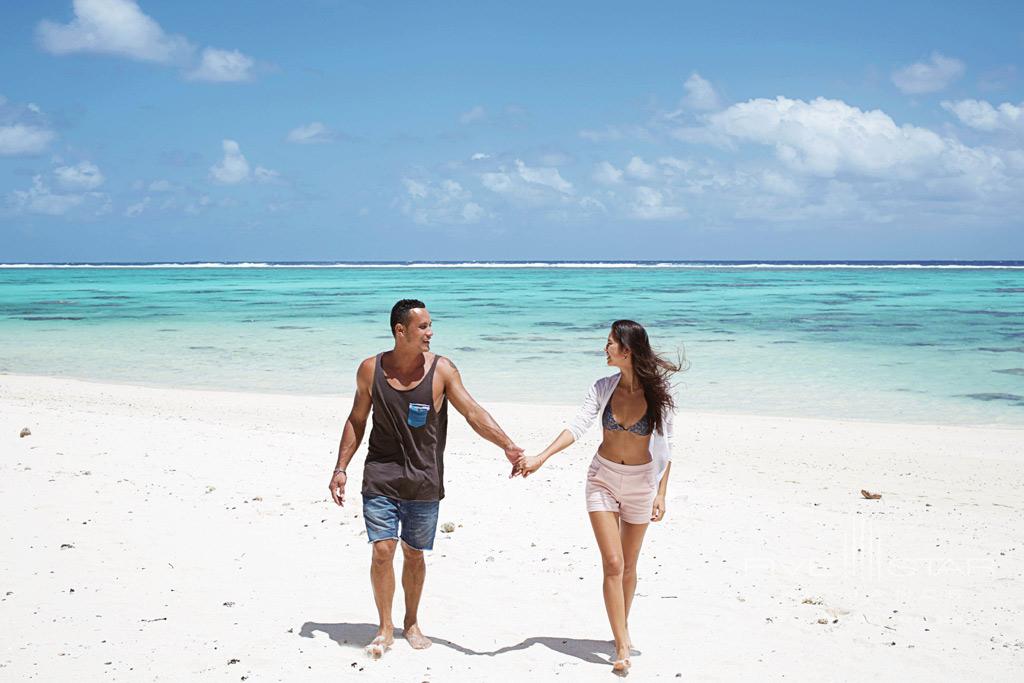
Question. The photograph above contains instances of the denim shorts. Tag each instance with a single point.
(417, 519)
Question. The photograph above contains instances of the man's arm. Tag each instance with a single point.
(355, 427)
(478, 418)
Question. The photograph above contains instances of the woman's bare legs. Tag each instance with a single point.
(632, 537)
(606, 531)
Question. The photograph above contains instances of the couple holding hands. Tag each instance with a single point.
(409, 388)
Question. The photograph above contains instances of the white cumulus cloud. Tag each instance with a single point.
(222, 66)
(121, 28)
(116, 27)
(981, 115)
(825, 136)
(931, 75)
(233, 167)
(82, 176)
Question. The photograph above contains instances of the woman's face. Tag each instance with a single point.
(616, 354)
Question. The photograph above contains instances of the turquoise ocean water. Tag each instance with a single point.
(917, 342)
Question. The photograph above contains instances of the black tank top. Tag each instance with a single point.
(405, 457)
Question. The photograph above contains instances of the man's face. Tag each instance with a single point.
(418, 331)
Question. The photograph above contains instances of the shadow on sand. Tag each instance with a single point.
(358, 635)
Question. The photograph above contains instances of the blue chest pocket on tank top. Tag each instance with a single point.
(417, 414)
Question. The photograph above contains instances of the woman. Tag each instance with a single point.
(628, 476)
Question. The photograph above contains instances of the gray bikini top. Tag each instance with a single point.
(642, 427)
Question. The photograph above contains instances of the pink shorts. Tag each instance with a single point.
(626, 489)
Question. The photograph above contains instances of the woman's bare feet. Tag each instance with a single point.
(381, 643)
(621, 663)
(620, 667)
(633, 652)
(416, 639)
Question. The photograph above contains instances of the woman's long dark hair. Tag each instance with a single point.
(652, 370)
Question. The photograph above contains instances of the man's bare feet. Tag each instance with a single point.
(381, 644)
(416, 639)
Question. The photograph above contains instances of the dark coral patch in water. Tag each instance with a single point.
(996, 396)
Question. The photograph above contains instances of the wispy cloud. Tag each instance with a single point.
(314, 133)
(222, 66)
(19, 139)
(606, 174)
(640, 169)
(84, 175)
(700, 94)
(931, 75)
(548, 177)
(40, 198)
(650, 204)
(443, 203)
(24, 130)
(137, 208)
(474, 115)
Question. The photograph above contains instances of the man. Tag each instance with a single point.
(408, 388)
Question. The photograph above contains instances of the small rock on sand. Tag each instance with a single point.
(447, 527)
(25, 432)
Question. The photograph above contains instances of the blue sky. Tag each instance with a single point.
(153, 131)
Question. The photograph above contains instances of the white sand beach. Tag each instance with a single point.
(159, 534)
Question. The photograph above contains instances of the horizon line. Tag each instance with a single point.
(536, 263)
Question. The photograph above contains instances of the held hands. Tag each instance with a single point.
(658, 511)
(513, 453)
(528, 465)
(337, 487)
